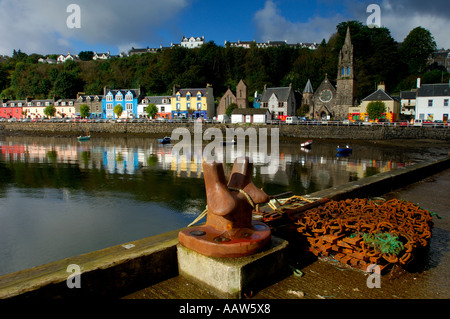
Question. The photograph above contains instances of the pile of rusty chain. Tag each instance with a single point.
(360, 232)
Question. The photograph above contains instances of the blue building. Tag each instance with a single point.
(127, 98)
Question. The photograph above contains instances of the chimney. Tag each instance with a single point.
(382, 86)
(418, 83)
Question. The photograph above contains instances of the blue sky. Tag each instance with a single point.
(40, 26)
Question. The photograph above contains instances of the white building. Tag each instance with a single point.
(433, 102)
(250, 115)
(192, 42)
(163, 104)
(408, 102)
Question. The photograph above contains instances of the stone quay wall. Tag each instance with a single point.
(348, 132)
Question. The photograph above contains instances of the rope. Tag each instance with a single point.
(203, 214)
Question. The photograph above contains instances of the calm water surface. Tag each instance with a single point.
(60, 197)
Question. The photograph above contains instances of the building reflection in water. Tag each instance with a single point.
(319, 166)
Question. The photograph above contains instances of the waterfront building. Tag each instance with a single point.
(193, 103)
(34, 108)
(12, 109)
(433, 102)
(94, 102)
(127, 98)
(65, 108)
(162, 103)
(250, 115)
(408, 101)
(280, 101)
(393, 106)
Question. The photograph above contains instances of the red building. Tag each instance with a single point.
(12, 109)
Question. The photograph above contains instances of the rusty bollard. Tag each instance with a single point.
(229, 230)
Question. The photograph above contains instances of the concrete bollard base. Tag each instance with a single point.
(234, 278)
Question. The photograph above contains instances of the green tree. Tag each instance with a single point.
(303, 110)
(151, 110)
(230, 109)
(86, 55)
(66, 85)
(118, 110)
(50, 111)
(84, 110)
(417, 47)
(376, 109)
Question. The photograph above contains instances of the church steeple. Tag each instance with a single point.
(345, 67)
(346, 81)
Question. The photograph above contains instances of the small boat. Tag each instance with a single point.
(306, 144)
(84, 138)
(164, 140)
(344, 150)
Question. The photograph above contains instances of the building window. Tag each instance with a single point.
(188, 97)
(199, 106)
(178, 106)
(109, 106)
(188, 106)
(178, 97)
(109, 98)
(119, 97)
(162, 109)
(446, 102)
(199, 97)
(129, 97)
(129, 106)
(430, 103)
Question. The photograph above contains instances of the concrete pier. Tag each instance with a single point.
(126, 269)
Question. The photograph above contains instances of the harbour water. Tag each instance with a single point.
(60, 197)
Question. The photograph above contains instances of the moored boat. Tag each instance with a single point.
(84, 138)
(306, 144)
(164, 140)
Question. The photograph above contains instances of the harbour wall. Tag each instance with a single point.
(123, 269)
(347, 132)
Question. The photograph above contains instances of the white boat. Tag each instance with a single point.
(306, 144)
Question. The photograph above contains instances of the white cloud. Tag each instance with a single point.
(401, 19)
(271, 25)
(401, 16)
(40, 25)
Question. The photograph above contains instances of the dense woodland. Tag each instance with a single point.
(378, 57)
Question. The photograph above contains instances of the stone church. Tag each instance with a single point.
(241, 98)
(330, 100)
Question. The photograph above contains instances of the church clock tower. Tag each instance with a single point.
(346, 85)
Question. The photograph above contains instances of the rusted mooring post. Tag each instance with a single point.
(229, 230)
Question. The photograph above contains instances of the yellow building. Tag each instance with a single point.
(393, 106)
(193, 103)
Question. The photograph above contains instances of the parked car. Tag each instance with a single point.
(292, 120)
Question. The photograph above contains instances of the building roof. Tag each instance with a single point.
(442, 89)
(282, 93)
(157, 99)
(193, 91)
(308, 87)
(249, 111)
(408, 95)
(135, 92)
(379, 95)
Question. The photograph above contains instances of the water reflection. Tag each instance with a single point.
(60, 197)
